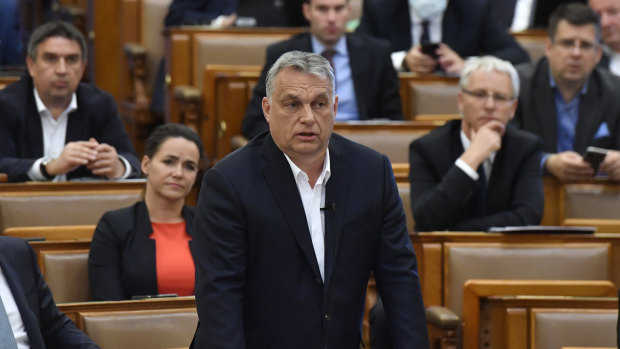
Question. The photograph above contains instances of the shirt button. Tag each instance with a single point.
(327, 317)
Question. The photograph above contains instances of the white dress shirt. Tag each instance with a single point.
(15, 318)
(54, 137)
(522, 16)
(313, 199)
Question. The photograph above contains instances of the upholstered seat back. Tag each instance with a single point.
(151, 31)
(395, 145)
(433, 98)
(70, 209)
(544, 261)
(403, 191)
(66, 274)
(558, 328)
(169, 328)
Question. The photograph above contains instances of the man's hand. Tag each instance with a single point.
(418, 62)
(611, 165)
(107, 162)
(485, 142)
(569, 166)
(74, 155)
(449, 60)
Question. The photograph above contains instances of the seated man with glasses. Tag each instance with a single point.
(567, 101)
(474, 173)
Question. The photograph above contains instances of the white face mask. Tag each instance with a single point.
(428, 8)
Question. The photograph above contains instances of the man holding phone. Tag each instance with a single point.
(430, 35)
(569, 102)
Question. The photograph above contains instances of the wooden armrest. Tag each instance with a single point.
(238, 141)
(136, 61)
(4, 178)
(442, 318)
(133, 50)
(187, 94)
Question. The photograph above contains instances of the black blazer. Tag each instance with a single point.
(442, 195)
(21, 135)
(258, 283)
(121, 262)
(537, 112)
(468, 27)
(46, 326)
(374, 78)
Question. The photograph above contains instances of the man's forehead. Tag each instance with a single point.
(59, 44)
(291, 82)
(565, 28)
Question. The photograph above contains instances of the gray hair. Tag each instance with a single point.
(488, 64)
(305, 62)
(55, 29)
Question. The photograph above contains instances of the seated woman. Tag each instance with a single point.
(144, 249)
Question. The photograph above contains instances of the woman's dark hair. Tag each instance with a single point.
(163, 132)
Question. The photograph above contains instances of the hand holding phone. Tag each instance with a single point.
(429, 49)
(594, 156)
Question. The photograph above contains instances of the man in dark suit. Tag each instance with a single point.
(55, 128)
(464, 28)
(568, 102)
(28, 305)
(517, 15)
(366, 83)
(450, 167)
(290, 227)
(609, 13)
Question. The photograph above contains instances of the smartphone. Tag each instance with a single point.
(594, 156)
(429, 49)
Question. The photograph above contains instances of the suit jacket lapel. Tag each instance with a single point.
(31, 322)
(33, 120)
(144, 229)
(590, 116)
(279, 178)
(545, 106)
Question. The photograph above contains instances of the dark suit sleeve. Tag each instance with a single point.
(396, 272)
(112, 131)
(198, 11)
(15, 167)
(105, 261)
(496, 41)
(389, 98)
(57, 330)
(220, 248)
(367, 21)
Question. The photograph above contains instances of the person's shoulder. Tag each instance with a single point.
(439, 135)
(285, 45)
(352, 149)
(91, 94)
(523, 139)
(16, 91)
(609, 81)
(11, 246)
(244, 157)
(124, 214)
(367, 41)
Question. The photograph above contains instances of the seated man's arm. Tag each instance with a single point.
(220, 247)
(569, 166)
(396, 272)
(388, 101)
(497, 41)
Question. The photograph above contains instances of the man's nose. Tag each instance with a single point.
(61, 66)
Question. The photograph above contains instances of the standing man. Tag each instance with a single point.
(290, 227)
(463, 27)
(609, 13)
(568, 102)
(27, 309)
(366, 83)
(55, 128)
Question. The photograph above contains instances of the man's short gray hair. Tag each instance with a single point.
(488, 64)
(55, 29)
(305, 62)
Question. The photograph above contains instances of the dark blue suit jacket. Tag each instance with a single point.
(374, 80)
(21, 135)
(258, 282)
(442, 195)
(468, 27)
(45, 325)
(121, 262)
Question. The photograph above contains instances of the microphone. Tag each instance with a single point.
(329, 207)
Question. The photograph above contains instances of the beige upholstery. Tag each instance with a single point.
(66, 274)
(535, 48)
(356, 9)
(232, 49)
(53, 232)
(173, 328)
(557, 328)
(591, 201)
(393, 144)
(433, 98)
(403, 191)
(153, 15)
(545, 261)
(71, 209)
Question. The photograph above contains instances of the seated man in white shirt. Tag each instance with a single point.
(55, 128)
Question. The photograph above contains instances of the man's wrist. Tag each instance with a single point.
(43, 169)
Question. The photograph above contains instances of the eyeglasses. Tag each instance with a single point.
(570, 44)
(483, 96)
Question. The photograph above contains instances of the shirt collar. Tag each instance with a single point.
(325, 172)
(340, 47)
(42, 108)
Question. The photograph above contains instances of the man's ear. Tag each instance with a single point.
(266, 108)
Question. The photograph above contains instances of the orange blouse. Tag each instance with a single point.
(173, 259)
